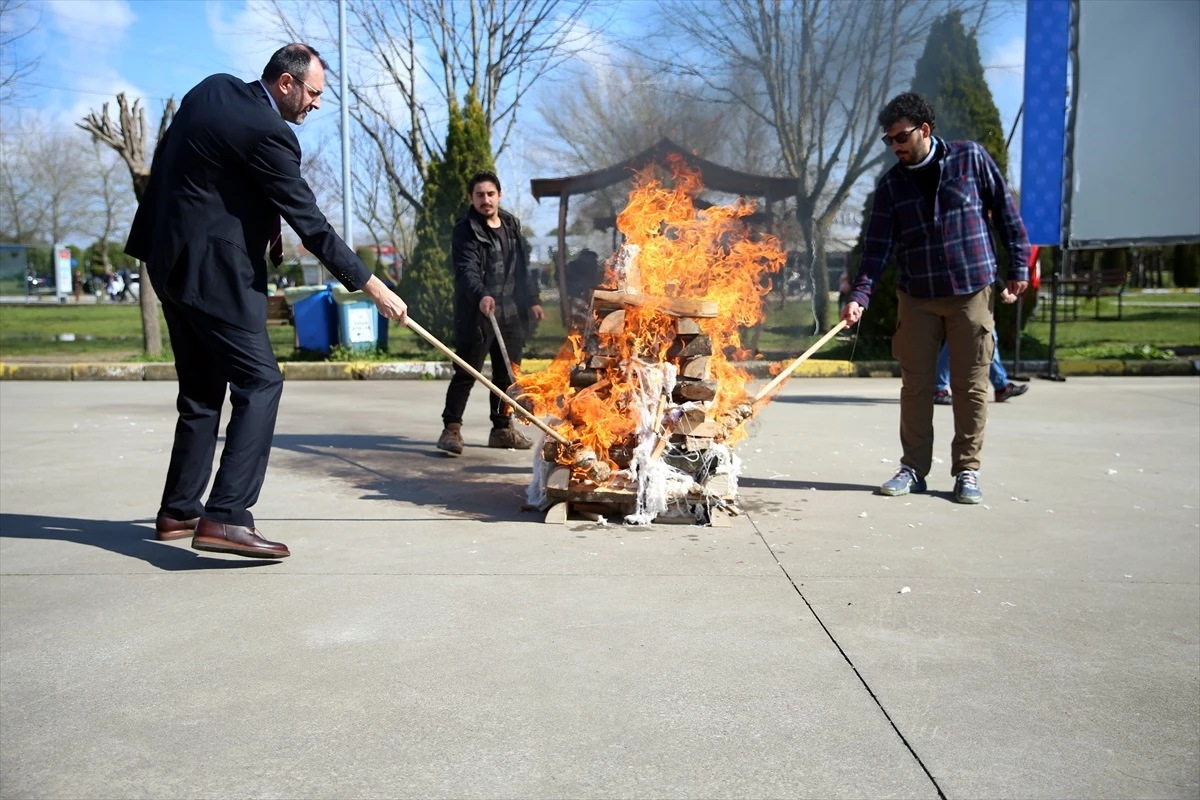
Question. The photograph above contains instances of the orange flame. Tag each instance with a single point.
(708, 254)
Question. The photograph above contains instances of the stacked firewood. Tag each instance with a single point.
(678, 425)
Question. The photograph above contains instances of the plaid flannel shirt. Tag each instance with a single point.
(950, 253)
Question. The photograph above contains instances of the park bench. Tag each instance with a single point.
(1092, 286)
(279, 312)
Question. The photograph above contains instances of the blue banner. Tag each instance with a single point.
(1043, 142)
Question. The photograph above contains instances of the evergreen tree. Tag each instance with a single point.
(1185, 265)
(428, 283)
(879, 322)
(950, 76)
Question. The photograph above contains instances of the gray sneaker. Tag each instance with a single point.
(903, 482)
(966, 487)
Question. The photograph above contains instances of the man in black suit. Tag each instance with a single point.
(227, 168)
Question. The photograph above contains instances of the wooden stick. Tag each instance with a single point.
(783, 376)
(493, 388)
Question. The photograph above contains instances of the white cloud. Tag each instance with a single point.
(250, 31)
(103, 25)
(110, 17)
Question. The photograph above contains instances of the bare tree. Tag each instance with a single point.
(823, 69)
(22, 214)
(613, 112)
(113, 198)
(421, 54)
(44, 189)
(378, 205)
(128, 138)
(17, 20)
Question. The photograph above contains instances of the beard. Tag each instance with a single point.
(292, 107)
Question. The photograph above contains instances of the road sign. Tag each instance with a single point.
(62, 270)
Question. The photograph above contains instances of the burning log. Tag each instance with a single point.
(646, 388)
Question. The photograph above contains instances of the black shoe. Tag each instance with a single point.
(1011, 390)
(942, 398)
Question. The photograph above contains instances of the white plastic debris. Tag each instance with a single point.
(1112, 472)
(863, 515)
(905, 590)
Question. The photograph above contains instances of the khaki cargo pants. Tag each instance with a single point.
(966, 323)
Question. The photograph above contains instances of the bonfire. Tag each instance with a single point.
(649, 394)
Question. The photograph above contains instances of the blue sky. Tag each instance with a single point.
(154, 49)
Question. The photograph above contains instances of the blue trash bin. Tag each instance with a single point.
(360, 325)
(316, 321)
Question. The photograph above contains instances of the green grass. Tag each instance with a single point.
(1143, 332)
(1164, 323)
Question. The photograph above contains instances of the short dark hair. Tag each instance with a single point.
(482, 176)
(294, 59)
(910, 106)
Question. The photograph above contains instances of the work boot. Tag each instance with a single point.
(451, 439)
(509, 438)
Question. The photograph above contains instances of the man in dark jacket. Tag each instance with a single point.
(491, 277)
(225, 171)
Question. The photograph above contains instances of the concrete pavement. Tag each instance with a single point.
(428, 639)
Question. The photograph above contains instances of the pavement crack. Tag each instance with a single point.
(941, 795)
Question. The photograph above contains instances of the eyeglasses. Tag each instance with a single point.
(899, 138)
(311, 90)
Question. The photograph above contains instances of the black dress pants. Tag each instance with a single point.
(211, 355)
(474, 352)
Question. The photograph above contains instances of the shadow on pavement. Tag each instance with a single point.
(481, 484)
(836, 399)
(774, 483)
(117, 536)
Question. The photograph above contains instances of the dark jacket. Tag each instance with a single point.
(476, 257)
(225, 171)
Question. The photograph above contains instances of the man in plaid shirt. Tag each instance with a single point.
(931, 211)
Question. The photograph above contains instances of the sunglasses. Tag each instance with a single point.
(899, 138)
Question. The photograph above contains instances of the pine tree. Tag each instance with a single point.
(428, 284)
(950, 76)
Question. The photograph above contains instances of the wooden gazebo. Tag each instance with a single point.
(715, 177)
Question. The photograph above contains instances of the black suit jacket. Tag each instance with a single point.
(225, 171)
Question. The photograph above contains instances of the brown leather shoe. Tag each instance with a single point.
(237, 540)
(166, 529)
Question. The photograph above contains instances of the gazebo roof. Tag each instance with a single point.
(715, 176)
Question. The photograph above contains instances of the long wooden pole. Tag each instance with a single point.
(787, 371)
(493, 388)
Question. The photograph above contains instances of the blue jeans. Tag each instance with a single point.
(996, 374)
